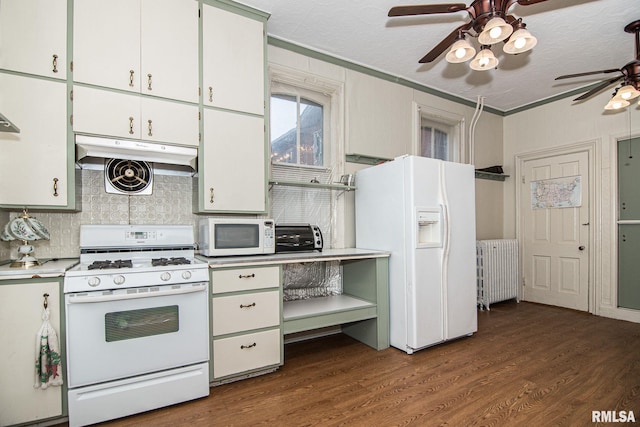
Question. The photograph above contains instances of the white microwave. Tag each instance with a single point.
(236, 236)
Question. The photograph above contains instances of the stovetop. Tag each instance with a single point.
(125, 256)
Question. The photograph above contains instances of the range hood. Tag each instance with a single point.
(113, 148)
(7, 126)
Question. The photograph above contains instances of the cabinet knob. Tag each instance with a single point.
(55, 63)
(55, 187)
(581, 248)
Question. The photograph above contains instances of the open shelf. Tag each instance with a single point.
(313, 313)
(491, 176)
(336, 186)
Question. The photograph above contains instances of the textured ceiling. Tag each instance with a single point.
(573, 36)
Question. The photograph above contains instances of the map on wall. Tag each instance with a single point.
(563, 192)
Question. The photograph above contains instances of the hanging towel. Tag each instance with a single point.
(48, 363)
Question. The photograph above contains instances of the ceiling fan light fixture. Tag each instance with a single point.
(520, 41)
(461, 51)
(484, 60)
(628, 92)
(495, 31)
(616, 103)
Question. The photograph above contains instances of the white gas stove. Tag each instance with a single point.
(137, 321)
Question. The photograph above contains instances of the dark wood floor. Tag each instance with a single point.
(528, 365)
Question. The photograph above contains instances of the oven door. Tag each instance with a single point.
(126, 332)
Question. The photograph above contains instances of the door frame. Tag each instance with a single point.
(590, 147)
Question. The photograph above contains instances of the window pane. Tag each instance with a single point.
(284, 147)
(425, 141)
(441, 147)
(310, 133)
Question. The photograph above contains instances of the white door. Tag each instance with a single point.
(555, 224)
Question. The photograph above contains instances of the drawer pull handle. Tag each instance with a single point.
(131, 72)
(55, 63)
(243, 347)
(210, 94)
(150, 128)
(246, 276)
(131, 125)
(149, 81)
(248, 306)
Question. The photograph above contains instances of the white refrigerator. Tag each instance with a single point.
(422, 211)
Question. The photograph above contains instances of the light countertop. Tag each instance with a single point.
(50, 268)
(294, 257)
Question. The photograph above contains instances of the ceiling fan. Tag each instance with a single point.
(489, 22)
(629, 74)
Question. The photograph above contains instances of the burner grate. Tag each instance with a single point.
(101, 265)
(169, 261)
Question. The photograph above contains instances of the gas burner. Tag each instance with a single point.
(101, 265)
(169, 261)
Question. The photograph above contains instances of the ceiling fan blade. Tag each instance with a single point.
(528, 2)
(444, 44)
(588, 73)
(598, 88)
(426, 9)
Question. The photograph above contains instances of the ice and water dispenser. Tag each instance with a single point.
(429, 227)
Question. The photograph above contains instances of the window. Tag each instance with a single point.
(297, 126)
(439, 134)
(306, 146)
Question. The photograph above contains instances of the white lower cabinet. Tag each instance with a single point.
(21, 318)
(244, 353)
(246, 322)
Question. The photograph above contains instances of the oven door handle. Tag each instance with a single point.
(81, 299)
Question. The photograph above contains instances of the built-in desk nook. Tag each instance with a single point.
(243, 305)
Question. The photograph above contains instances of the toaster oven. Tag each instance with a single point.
(298, 238)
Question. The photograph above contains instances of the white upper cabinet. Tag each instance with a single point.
(35, 164)
(142, 46)
(33, 37)
(233, 153)
(232, 61)
(104, 112)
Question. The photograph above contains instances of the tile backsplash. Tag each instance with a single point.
(170, 203)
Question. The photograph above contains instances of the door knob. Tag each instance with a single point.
(581, 248)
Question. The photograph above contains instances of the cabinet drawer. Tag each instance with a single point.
(244, 279)
(246, 352)
(238, 313)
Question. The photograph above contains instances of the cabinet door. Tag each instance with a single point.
(103, 112)
(233, 165)
(169, 37)
(233, 61)
(34, 163)
(172, 122)
(106, 43)
(33, 37)
(21, 318)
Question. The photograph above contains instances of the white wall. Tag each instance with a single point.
(563, 123)
(378, 121)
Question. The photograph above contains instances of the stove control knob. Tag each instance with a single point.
(94, 281)
(165, 276)
(118, 280)
(186, 275)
